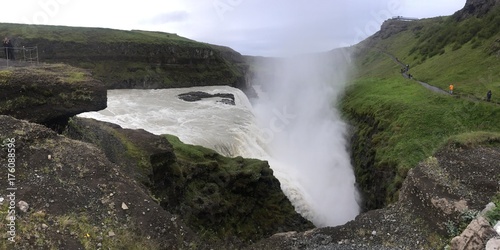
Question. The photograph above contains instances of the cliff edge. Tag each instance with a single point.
(123, 59)
(49, 94)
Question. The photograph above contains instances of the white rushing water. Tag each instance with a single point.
(225, 128)
(292, 124)
(306, 136)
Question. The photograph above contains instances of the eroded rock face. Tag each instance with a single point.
(138, 152)
(391, 27)
(475, 236)
(134, 59)
(49, 94)
(475, 8)
(438, 191)
(230, 199)
(74, 196)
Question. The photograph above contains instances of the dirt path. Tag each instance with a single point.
(405, 75)
(434, 88)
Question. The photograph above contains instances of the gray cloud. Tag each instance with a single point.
(255, 27)
(279, 27)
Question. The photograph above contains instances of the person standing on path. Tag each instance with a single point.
(451, 89)
(488, 96)
(9, 50)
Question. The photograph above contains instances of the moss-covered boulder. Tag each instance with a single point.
(77, 198)
(226, 200)
(136, 151)
(49, 94)
(226, 196)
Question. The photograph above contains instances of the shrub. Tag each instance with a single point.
(493, 216)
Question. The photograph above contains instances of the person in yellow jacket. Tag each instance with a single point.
(451, 89)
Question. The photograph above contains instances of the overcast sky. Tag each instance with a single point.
(252, 27)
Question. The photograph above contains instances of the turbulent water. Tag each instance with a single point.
(228, 129)
(293, 124)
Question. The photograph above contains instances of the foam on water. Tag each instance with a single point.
(320, 195)
(222, 127)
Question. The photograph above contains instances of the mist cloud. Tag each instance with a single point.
(309, 152)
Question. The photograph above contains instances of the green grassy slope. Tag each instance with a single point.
(88, 35)
(131, 59)
(400, 122)
(441, 51)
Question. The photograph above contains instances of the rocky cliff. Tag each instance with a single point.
(66, 194)
(475, 8)
(49, 94)
(226, 200)
(132, 189)
(132, 59)
(439, 197)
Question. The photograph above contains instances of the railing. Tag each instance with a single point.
(20, 55)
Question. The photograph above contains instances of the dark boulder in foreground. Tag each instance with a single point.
(77, 199)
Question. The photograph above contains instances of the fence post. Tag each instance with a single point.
(36, 48)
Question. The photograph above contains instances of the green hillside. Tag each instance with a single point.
(87, 35)
(440, 51)
(399, 122)
(131, 59)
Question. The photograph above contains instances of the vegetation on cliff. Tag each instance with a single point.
(133, 59)
(411, 123)
(399, 122)
(224, 200)
(76, 198)
(440, 51)
(49, 94)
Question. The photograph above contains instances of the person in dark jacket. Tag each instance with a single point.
(8, 48)
(488, 96)
(5, 49)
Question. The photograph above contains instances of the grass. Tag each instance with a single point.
(91, 35)
(430, 47)
(228, 197)
(400, 122)
(130, 58)
(493, 216)
(5, 76)
(476, 138)
(77, 226)
(414, 122)
(59, 71)
(90, 234)
(199, 154)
